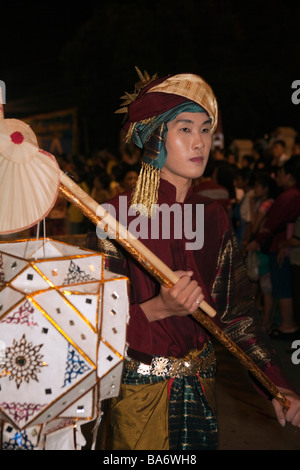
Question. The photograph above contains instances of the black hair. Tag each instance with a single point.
(103, 177)
(249, 158)
(264, 178)
(225, 176)
(126, 168)
(246, 174)
(210, 166)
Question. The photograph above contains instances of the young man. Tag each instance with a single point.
(166, 399)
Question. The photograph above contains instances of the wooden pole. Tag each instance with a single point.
(98, 215)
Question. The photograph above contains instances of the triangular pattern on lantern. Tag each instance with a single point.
(63, 324)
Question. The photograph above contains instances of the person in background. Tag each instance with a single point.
(265, 192)
(208, 186)
(291, 247)
(242, 213)
(284, 211)
(248, 162)
(100, 187)
(232, 159)
(128, 176)
(278, 152)
(224, 174)
(76, 221)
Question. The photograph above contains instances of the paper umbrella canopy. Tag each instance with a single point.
(62, 338)
(29, 178)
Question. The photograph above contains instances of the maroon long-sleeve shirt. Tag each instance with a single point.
(217, 267)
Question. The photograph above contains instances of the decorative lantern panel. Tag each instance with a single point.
(62, 333)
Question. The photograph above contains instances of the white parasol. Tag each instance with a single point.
(29, 178)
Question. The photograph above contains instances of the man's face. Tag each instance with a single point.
(130, 180)
(240, 182)
(259, 190)
(188, 144)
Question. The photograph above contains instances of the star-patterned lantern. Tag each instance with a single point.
(62, 333)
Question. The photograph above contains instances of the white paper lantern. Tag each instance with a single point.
(62, 333)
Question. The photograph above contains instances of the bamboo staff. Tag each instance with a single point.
(98, 215)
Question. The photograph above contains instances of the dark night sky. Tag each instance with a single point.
(60, 54)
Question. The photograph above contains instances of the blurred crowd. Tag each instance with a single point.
(260, 192)
(103, 175)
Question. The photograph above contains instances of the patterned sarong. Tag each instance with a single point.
(167, 405)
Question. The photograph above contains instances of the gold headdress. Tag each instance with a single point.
(131, 97)
(155, 102)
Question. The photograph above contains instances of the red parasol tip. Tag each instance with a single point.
(17, 137)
